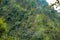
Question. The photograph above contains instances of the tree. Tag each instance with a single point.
(57, 2)
(26, 21)
(3, 26)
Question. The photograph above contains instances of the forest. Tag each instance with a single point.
(28, 20)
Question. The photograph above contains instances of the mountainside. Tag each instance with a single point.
(28, 20)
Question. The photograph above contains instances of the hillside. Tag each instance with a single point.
(28, 20)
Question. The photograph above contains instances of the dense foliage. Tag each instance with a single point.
(28, 20)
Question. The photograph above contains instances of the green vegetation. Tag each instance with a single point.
(3, 27)
(28, 20)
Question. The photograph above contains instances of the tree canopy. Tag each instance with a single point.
(28, 20)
